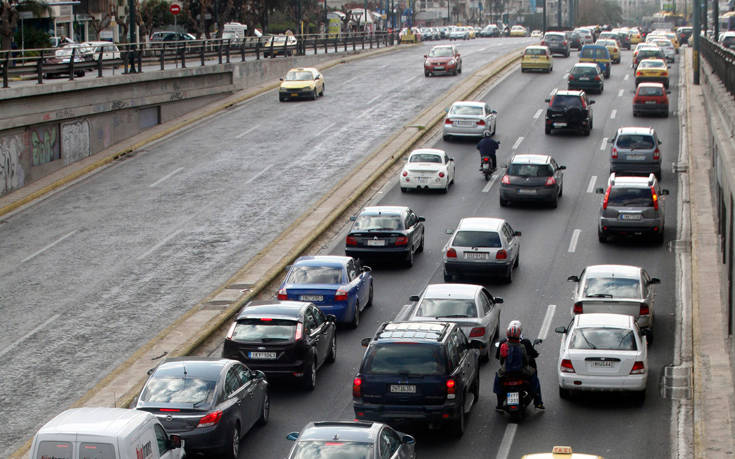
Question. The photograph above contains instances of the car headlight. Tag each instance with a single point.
(452, 62)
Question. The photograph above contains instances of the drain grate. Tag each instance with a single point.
(676, 383)
(679, 246)
(680, 168)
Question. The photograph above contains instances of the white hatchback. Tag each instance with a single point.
(427, 168)
(602, 352)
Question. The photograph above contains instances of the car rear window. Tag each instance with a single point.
(332, 450)
(632, 197)
(186, 390)
(476, 239)
(553, 37)
(656, 64)
(612, 287)
(587, 52)
(405, 359)
(378, 222)
(609, 339)
(264, 330)
(425, 158)
(635, 141)
(584, 71)
(646, 53)
(97, 451)
(55, 450)
(535, 52)
(466, 110)
(314, 275)
(530, 170)
(446, 307)
(650, 91)
(566, 101)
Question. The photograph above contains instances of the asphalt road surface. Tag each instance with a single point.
(92, 272)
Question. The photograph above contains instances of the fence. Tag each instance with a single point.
(41, 64)
(722, 61)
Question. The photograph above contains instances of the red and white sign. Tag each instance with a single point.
(174, 9)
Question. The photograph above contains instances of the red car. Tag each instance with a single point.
(651, 98)
(442, 59)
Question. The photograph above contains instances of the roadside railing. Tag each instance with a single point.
(722, 61)
(42, 64)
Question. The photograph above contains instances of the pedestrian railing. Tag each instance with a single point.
(722, 61)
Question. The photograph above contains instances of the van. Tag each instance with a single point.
(106, 433)
(235, 32)
(598, 54)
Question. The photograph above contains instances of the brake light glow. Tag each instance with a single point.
(578, 309)
(597, 77)
(614, 153)
(404, 173)
(655, 198)
(505, 180)
(501, 255)
(566, 366)
(551, 181)
(543, 43)
(638, 368)
(402, 240)
(656, 153)
(340, 295)
(299, 333)
(210, 419)
(451, 388)
(441, 174)
(481, 123)
(170, 410)
(571, 77)
(451, 253)
(447, 121)
(282, 294)
(607, 197)
(486, 159)
(477, 332)
(638, 73)
(351, 241)
(231, 330)
(357, 387)
(564, 43)
(266, 319)
(645, 310)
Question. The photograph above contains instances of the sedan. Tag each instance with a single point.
(442, 59)
(283, 339)
(350, 439)
(301, 83)
(336, 285)
(602, 352)
(427, 168)
(210, 403)
(518, 31)
(532, 178)
(386, 231)
(654, 70)
(471, 307)
(469, 119)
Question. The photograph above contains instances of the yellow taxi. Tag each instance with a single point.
(654, 70)
(472, 32)
(301, 83)
(537, 58)
(612, 46)
(635, 36)
(561, 452)
(518, 31)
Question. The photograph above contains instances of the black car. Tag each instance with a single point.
(490, 30)
(351, 439)
(386, 231)
(532, 178)
(418, 372)
(210, 403)
(283, 339)
(556, 42)
(575, 40)
(586, 76)
(569, 110)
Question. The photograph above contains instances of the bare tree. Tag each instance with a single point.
(98, 25)
(9, 15)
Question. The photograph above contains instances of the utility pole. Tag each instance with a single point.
(570, 5)
(695, 35)
(131, 25)
(558, 14)
(543, 26)
(705, 26)
(716, 17)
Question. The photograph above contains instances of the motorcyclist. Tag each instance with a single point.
(487, 147)
(514, 336)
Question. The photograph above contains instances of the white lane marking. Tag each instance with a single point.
(612, 114)
(565, 76)
(254, 177)
(48, 247)
(161, 244)
(574, 240)
(244, 133)
(507, 442)
(621, 92)
(538, 113)
(165, 177)
(490, 184)
(626, 77)
(350, 80)
(546, 324)
(518, 142)
(325, 129)
(29, 334)
(370, 102)
(411, 79)
(591, 185)
(603, 144)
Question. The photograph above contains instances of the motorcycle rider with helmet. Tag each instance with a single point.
(514, 337)
(488, 146)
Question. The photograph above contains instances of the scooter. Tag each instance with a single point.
(518, 392)
(487, 168)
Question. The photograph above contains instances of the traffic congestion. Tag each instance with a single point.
(532, 219)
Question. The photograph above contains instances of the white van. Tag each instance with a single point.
(105, 433)
(234, 31)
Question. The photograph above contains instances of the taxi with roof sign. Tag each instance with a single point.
(561, 452)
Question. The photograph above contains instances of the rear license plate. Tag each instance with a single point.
(422, 179)
(635, 157)
(602, 364)
(475, 255)
(294, 94)
(262, 355)
(403, 388)
(630, 216)
(311, 298)
(584, 78)
(650, 101)
(524, 191)
(376, 242)
(560, 125)
(465, 123)
(513, 398)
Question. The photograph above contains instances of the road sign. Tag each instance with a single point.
(174, 9)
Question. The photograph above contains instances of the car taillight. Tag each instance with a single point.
(282, 294)
(451, 253)
(597, 77)
(447, 121)
(231, 330)
(654, 196)
(638, 73)
(210, 419)
(350, 240)
(564, 43)
(441, 174)
(477, 332)
(551, 181)
(481, 123)
(543, 43)
(578, 308)
(401, 240)
(645, 310)
(299, 333)
(501, 255)
(405, 173)
(571, 77)
(486, 159)
(505, 180)
(637, 100)
(614, 153)
(607, 197)
(357, 387)
(451, 388)
(340, 295)
(638, 368)
(566, 366)
(656, 153)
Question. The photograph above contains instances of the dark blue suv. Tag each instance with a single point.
(418, 372)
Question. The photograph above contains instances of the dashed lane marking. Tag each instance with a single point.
(255, 177)
(244, 133)
(325, 129)
(490, 183)
(34, 255)
(591, 185)
(546, 324)
(166, 177)
(626, 77)
(603, 144)
(612, 114)
(161, 244)
(574, 240)
(518, 142)
(538, 113)
(621, 92)
(507, 441)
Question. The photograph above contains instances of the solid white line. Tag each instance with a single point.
(490, 183)
(574, 240)
(621, 92)
(152, 185)
(254, 177)
(160, 244)
(47, 247)
(518, 142)
(325, 129)
(538, 113)
(626, 77)
(29, 334)
(546, 324)
(507, 442)
(612, 114)
(603, 144)
(244, 133)
(370, 102)
(591, 186)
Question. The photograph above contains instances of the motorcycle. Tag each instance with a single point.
(518, 392)
(487, 168)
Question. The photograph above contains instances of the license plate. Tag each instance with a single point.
(635, 157)
(311, 298)
(294, 94)
(560, 125)
(262, 355)
(650, 101)
(630, 216)
(524, 191)
(513, 398)
(465, 123)
(584, 78)
(475, 255)
(602, 364)
(376, 242)
(403, 388)
(422, 179)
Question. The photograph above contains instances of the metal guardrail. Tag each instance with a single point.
(722, 61)
(40, 64)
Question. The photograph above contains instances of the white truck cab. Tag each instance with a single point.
(105, 433)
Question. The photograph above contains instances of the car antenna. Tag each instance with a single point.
(185, 373)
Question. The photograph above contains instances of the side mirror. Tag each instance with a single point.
(365, 342)
(281, 79)
(561, 168)
(664, 192)
(451, 159)
(353, 218)
(654, 280)
(494, 112)
(293, 436)
(573, 278)
(174, 441)
(561, 330)
(413, 298)
(425, 56)
(547, 100)
(660, 142)
(592, 102)
(366, 269)
(517, 233)
(449, 231)
(668, 91)
(498, 300)
(422, 219)
(331, 318)
(446, 110)
(599, 190)
(408, 440)
(537, 341)
(458, 55)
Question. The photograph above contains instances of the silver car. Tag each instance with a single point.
(616, 289)
(471, 307)
(636, 150)
(469, 119)
(482, 246)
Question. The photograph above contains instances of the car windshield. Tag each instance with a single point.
(611, 287)
(425, 158)
(446, 307)
(314, 275)
(635, 142)
(441, 52)
(178, 390)
(650, 91)
(378, 222)
(299, 76)
(264, 331)
(404, 359)
(530, 170)
(466, 110)
(633, 197)
(602, 338)
(332, 450)
(535, 52)
(476, 239)
(565, 101)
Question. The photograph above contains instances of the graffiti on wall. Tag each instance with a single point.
(12, 175)
(74, 141)
(45, 144)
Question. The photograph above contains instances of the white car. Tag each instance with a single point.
(602, 352)
(667, 47)
(427, 168)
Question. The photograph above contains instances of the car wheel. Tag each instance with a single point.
(555, 202)
(323, 88)
(332, 355)
(484, 358)
(446, 137)
(459, 70)
(518, 260)
(547, 130)
(640, 397)
(314, 94)
(403, 189)
(601, 236)
(356, 317)
(476, 387)
(561, 190)
(504, 202)
(565, 394)
(281, 99)
(370, 297)
(446, 188)
(409, 258)
(265, 411)
(508, 278)
(649, 337)
(426, 74)
(310, 375)
(523, 70)
(448, 277)
(454, 72)
(232, 451)
(587, 131)
(635, 114)
(458, 425)
(495, 127)
(421, 245)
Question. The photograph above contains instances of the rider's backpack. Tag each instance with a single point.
(515, 358)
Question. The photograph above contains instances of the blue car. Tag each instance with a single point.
(336, 285)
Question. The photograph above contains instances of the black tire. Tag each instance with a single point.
(565, 394)
(518, 261)
(458, 427)
(640, 397)
(649, 337)
(561, 190)
(409, 258)
(448, 277)
(420, 248)
(323, 88)
(370, 297)
(587, 131)
(446, 137)
(476, 386)
(314, 94)
(403, 189)
(356, 318)
(281, 99)
(445, 190)
(495, 127)
(309, 378)
(602, 237)
(523, 70)
(265, 410)
(504, 202)
(426, 74)
(508, 278)
(232, 451)
(555, 202)
(459, 70)
(332, 354)
(547, 130)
